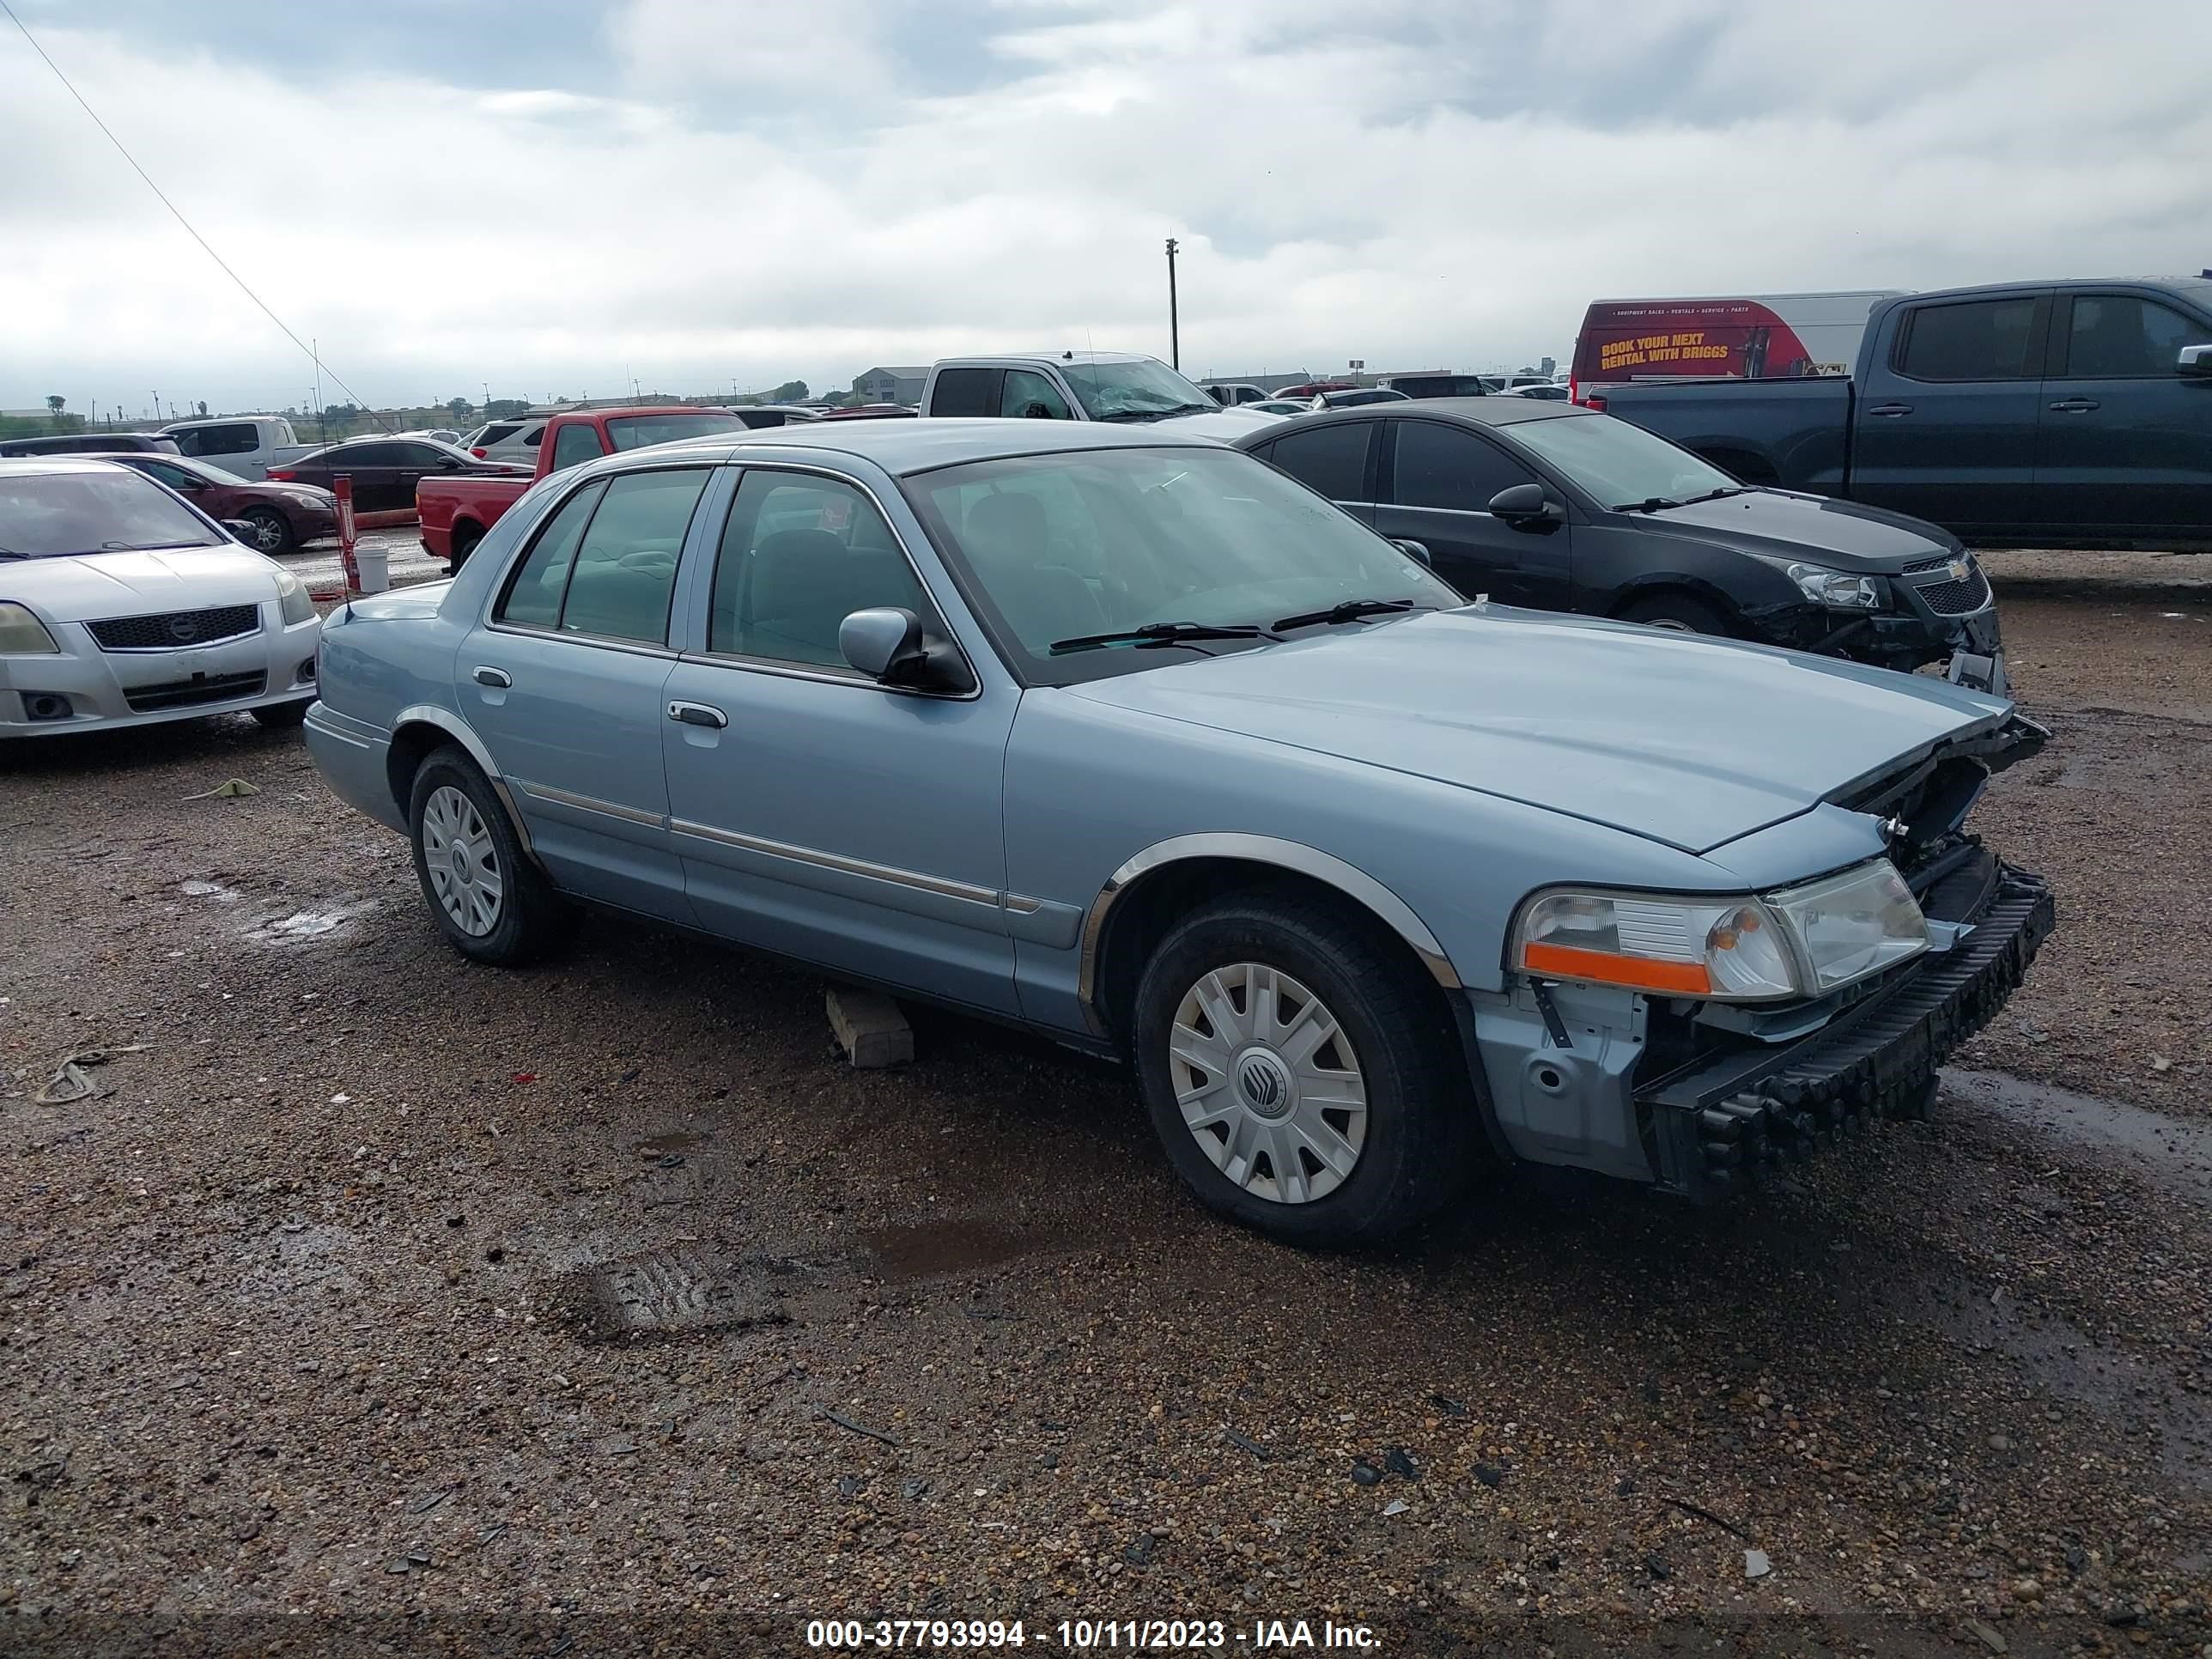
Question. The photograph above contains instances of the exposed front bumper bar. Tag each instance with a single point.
(1718, 1124)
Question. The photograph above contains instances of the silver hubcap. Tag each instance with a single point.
(464, 865)
(1269, 1084)
(268, 534)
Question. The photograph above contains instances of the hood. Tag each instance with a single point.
(1681, 739)
(1226, 424)
(1842, 535)
(92, 585)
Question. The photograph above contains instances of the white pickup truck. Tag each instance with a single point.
(1081, 385)
(248, 445)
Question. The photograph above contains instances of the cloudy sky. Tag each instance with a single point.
(553, 197)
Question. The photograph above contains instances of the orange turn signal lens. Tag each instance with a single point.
(1686, 978)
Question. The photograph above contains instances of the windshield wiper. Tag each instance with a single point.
(10, 553)
(1166, 633)
(1347, 610)
(1661, 503)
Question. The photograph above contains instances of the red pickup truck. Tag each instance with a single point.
(456, 510)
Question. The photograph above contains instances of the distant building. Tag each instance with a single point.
(1547, 366)
(1267, 379)
(891, 385)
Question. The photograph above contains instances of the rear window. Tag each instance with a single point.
(965, 391)
(498, 433)
(636, 432)
(54, 514)
(1331, 460)
(1979, 340)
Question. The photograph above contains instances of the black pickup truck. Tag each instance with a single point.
(2074, 411)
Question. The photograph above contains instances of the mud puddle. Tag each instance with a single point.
(932, 1250)
(2172, 1154)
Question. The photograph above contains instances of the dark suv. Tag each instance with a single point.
(1556, 507)
(92, 443)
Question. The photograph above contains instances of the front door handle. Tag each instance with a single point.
(1891, 409)
(2074, 406)
(698, 713)
(498, 677)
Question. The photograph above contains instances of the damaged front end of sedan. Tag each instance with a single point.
(1764, 1027)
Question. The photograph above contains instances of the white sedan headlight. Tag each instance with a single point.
(293, 600)
(22, 634)
(1804, 941)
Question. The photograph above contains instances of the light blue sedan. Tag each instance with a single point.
(1121, 735)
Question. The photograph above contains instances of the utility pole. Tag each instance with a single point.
(1175, 333)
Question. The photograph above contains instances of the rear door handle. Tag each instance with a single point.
(2074, 406)
(498, 677)
(1891, 409)
(698, 713)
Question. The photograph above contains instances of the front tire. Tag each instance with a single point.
(272, 530)
(1302, 1075)
(490, 902)
(282, 716)
(1678, 613)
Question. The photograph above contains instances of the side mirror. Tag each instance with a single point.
(1036, 412)
(2195, 362)
(888, 645)
(1413, 549)
(1526, 507)
(240, 531)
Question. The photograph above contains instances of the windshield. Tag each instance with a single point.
(1064, 546)
(1111, 392)
(636, 431)
(1620, 464)
(51, 514)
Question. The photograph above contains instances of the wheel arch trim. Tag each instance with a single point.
(1353, 882)
(446, 720)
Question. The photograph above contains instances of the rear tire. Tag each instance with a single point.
(272, 530)
(1678, 613)
(465, 542)
(490, 902)
(1373, 1123)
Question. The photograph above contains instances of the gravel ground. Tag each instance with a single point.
(603, 1304)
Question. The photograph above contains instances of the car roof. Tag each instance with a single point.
(18, 466)
(901, 447)
(1471, 411)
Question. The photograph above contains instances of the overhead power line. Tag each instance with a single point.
(178, 212)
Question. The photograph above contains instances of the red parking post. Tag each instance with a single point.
(342, 487)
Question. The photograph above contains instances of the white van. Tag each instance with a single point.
(248, 445)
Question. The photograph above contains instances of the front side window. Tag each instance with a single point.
(1329, 459)
(2121, 336)
(1030, 395)
(1979, 340)
(1620, 464)
(800, 553)
(1443, 467)
(47, 515)
(576, 444)
(1050, 548)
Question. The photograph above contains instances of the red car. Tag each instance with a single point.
(283, 515)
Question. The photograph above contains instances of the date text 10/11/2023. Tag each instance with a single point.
(1088, 1635)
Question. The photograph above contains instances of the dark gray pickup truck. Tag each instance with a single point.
(2075, 411)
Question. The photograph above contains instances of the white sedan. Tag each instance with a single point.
(123, 604)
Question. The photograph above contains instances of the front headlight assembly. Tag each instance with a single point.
(21, 634)
(293, 600)
(1839, 590)
(1802, 941)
